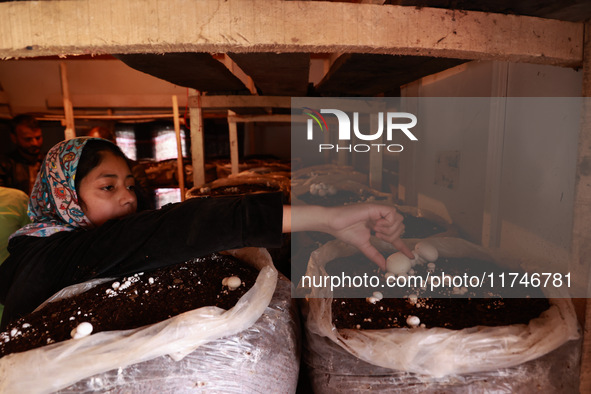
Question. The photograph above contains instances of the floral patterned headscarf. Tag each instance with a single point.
(53, 205)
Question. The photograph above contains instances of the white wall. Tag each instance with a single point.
(447, 125)
(539, 163)
(515, 185)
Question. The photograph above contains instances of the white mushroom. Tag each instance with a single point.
(413, 321)
(426, 251)
(82, 330)
(398, 263)
(233, 282)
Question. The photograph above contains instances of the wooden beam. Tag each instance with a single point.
(108, 117)
(329, 62)
(210, 102)
(237, 72)
(114, 101)
(260, 118)
(345, 104)
(30, 29)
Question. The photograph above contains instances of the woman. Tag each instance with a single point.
(84, 226)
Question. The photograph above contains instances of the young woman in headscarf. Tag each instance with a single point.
(85, 226)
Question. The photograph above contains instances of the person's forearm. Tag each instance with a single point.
(305, 218)
(286, 226)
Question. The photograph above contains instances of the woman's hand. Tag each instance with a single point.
(353, 224)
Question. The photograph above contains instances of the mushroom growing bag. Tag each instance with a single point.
(435, 352)
(59, 365)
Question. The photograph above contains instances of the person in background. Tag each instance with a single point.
(85, 225)
(13, 215)
(18, 169)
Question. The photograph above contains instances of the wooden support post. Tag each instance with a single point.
(491, 226)
(581, 234)
(233, 142)
(70, 131)
(237, 72)
(197, 152)
(179, 147)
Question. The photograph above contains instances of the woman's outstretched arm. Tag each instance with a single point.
(353, 224)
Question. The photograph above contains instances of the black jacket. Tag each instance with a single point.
(38, 267)
(14, 171)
